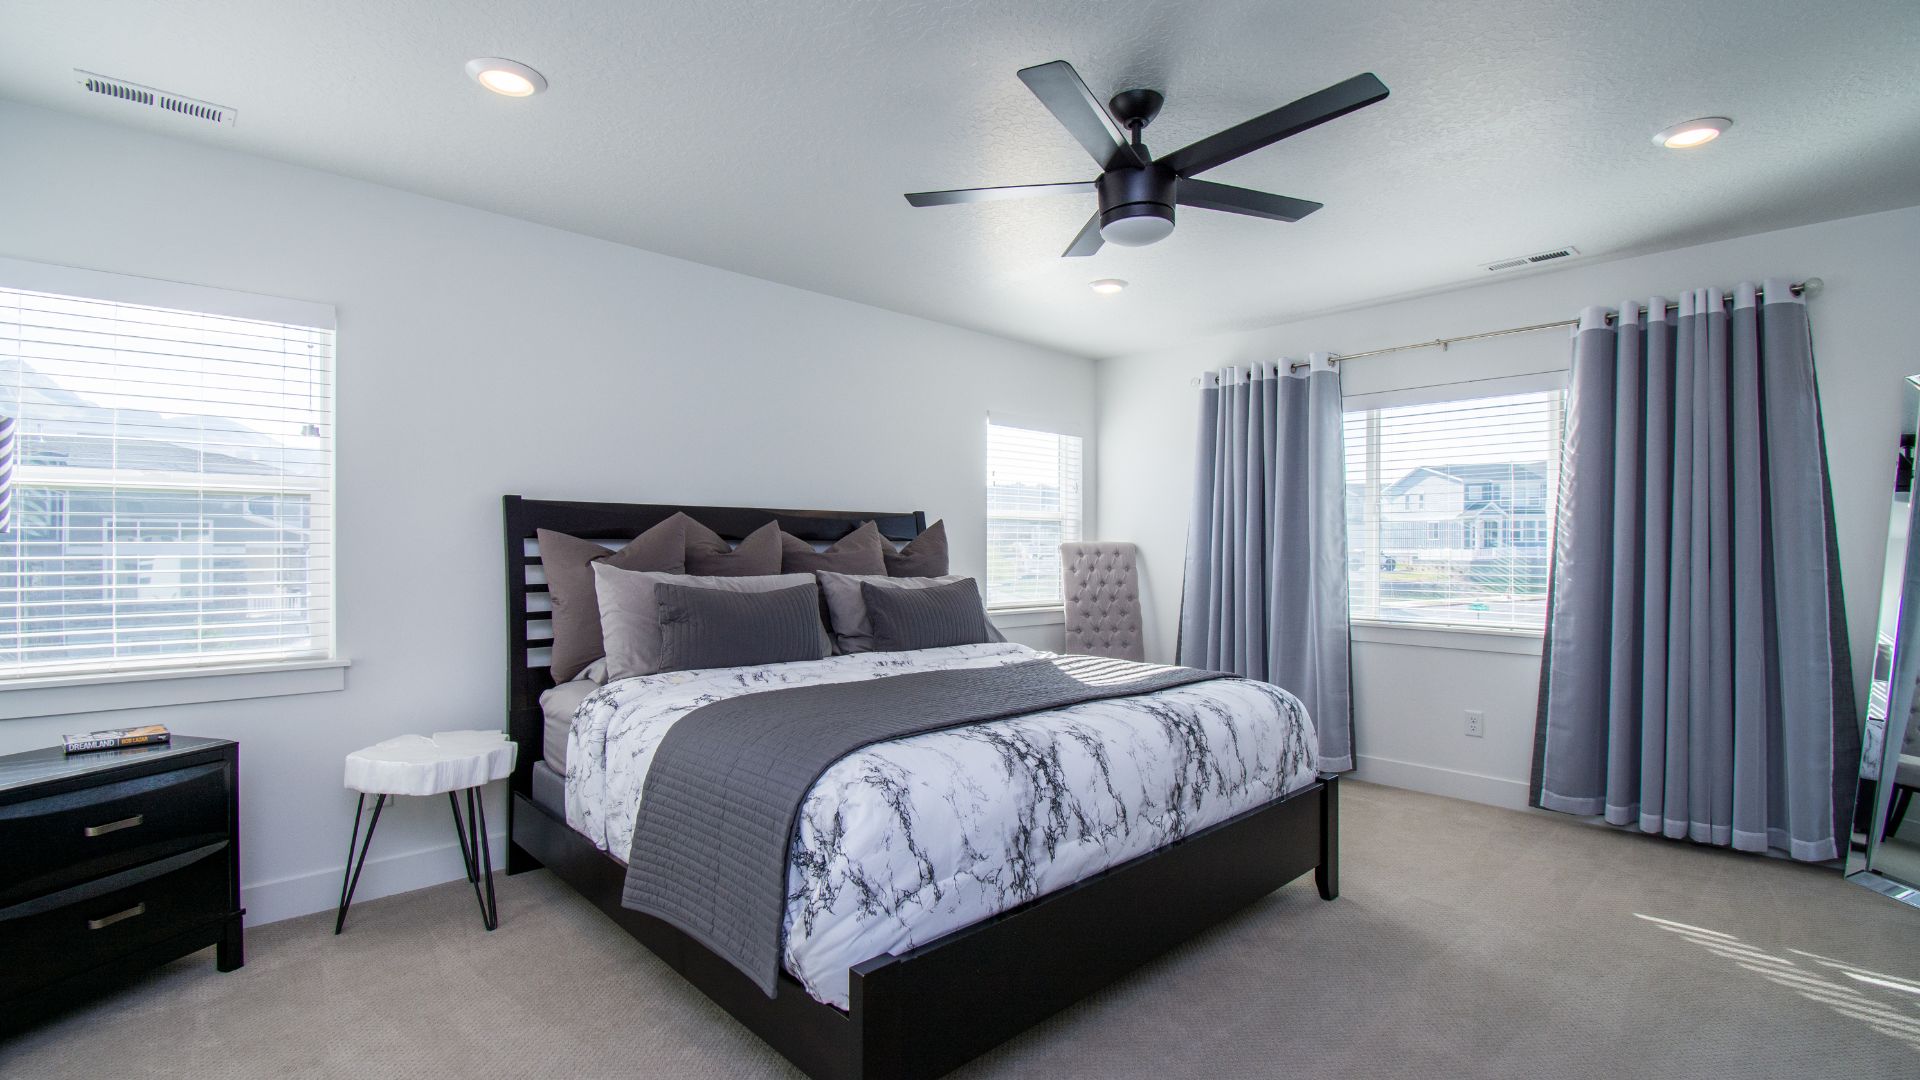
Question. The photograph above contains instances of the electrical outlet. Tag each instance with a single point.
(1476, 724)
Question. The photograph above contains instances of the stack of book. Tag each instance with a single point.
(117, 738)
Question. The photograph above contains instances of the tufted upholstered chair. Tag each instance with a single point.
(1102, 590)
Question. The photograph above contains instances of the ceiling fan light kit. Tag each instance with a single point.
(1137, 193)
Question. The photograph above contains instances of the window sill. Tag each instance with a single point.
(1015, 617)
(1458, 638)
(64, 695)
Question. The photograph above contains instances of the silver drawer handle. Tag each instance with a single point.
(114, 826)
(103, 923)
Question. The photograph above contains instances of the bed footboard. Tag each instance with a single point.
(925, 1012)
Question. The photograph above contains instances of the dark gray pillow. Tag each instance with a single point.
(630, 613)
(862, 551)
(568, 561)
(708, 555)
(924, 556)
(710, 628)
(906, 619)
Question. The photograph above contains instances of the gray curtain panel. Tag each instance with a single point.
(1265, 592)
(1696, 681)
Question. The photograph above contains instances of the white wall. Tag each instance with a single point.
(479, 356)
(1409, 699)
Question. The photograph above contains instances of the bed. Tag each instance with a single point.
(913, 981)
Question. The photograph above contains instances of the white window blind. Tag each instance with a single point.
(1450, 510)
(172, 502)
(1033, 506)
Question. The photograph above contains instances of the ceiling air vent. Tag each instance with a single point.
(1538, 257)
(149, 98)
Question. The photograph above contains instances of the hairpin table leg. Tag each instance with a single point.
(491, 910)
(459, 830)
(352, 880)
(474, 852)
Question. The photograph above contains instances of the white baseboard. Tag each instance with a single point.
(303, 894)
(1434, 780)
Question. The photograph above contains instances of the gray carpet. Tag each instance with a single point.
(1469, 941)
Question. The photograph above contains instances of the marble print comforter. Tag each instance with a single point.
(909, 840)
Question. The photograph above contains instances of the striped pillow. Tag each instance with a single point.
(711, 628)
(906, 619)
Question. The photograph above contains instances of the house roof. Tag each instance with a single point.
(1473, 473)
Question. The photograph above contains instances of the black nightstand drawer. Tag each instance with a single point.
(111, 917)
(113, 862)
(52, 842)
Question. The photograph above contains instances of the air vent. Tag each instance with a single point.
(1522, 261)
(147, 97)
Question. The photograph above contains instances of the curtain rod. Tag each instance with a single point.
(1809, 287)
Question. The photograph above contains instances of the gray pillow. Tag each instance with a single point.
(576, 610)
(714, 628)
(862, 551)
(905, 619)
(707, 552)
(924, 556)
(847, 609)
(630, 613)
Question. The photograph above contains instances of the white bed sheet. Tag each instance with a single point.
(906, 841)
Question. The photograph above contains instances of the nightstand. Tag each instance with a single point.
(115, 861)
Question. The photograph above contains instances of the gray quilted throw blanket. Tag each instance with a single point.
(726, 784)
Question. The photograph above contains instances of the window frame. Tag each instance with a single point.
(1474, 636)
(209, 677)
(1056, 430)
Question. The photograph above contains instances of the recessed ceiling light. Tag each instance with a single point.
(1107, 286)
(508, 78)
(1692, 133)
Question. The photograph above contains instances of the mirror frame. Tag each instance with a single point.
(1890, 701)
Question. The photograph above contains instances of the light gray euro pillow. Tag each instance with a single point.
(630, 612)
(847, 609)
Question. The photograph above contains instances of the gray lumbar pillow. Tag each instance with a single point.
(924, 556)
(568, 561)
(847, 608)
(862, 551)
(630, 612)
(932, 618)
(707, 552)
(716, 628)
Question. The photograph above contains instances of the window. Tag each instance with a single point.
(1450, 510)
(172, 488)
(1033, 506)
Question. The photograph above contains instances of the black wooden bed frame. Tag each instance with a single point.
(923, 1012)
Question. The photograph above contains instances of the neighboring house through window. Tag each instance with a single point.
(1450, 510)
(172, 499)
(1033, 506)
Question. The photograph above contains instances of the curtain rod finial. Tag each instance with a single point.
(1812, 286)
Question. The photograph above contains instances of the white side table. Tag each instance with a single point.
(446, 761)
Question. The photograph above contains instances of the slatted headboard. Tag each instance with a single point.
(529, 622)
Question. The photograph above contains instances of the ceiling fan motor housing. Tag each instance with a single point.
(1136, 205)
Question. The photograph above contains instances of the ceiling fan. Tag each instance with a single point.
(1137, 191)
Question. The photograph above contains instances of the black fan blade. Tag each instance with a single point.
(1088, 241)
(987, 194)
(1311, 111)
(1206, 195)
(1059, 88)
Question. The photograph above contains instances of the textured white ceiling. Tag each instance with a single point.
(776, 138)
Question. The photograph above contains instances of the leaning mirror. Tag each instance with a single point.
(1885, 853)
